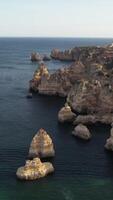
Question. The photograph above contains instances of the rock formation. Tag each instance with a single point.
(66, 114)
(36, 57)
(109, 142)
(87, 83)
(41, 145)
(34, 169)
(82, 132)
(40, 74)
(94, 54)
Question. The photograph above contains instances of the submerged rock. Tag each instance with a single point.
(34, 169)
(41, 145)
(82, 132)
(66, 114)
(109, 142)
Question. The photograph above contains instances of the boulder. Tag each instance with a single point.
(82, 132)
(109, 142)
(34, 169)
(66, 114)
(36, 57)
(41, 145)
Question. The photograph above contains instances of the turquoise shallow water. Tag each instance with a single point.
(65, 189)
(83, 171)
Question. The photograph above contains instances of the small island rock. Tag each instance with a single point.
(41, 145)
(36, 57)
(82, 132)
(34, 169)
(66, 114)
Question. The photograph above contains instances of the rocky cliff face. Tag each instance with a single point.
(101, 55)
(87, 83)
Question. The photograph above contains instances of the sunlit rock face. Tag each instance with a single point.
(41, 145)
(40, 74)
(82, 132)
(34, 169)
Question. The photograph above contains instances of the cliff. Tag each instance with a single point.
(87, 83)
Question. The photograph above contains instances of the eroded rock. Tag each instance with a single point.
(36, 57)
(41, 145)
(82, 132)
(34, 169)
(66, 114)
(40, 74)
(87, 83)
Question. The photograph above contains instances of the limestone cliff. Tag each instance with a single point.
(87, 83)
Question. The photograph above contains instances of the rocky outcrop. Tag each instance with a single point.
(58, 83)
(82, 132)
(41, 145)
(109, 142)
(66, 114)
(94, 54)
(87, 83)
(94, 118)
(40, 74)
(36, 57)
(58, 55)
(34, 169)
(91, 97)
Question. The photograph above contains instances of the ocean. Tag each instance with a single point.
(83, 170)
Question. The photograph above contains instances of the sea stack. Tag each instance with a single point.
(66, 114)
(34, 169)
(40, 74)
(82, 132)
(41, 145)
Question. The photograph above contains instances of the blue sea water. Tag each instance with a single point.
(83, 171)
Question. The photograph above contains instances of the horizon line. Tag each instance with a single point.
(58, 37)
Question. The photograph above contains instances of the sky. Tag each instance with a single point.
(56, 18)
